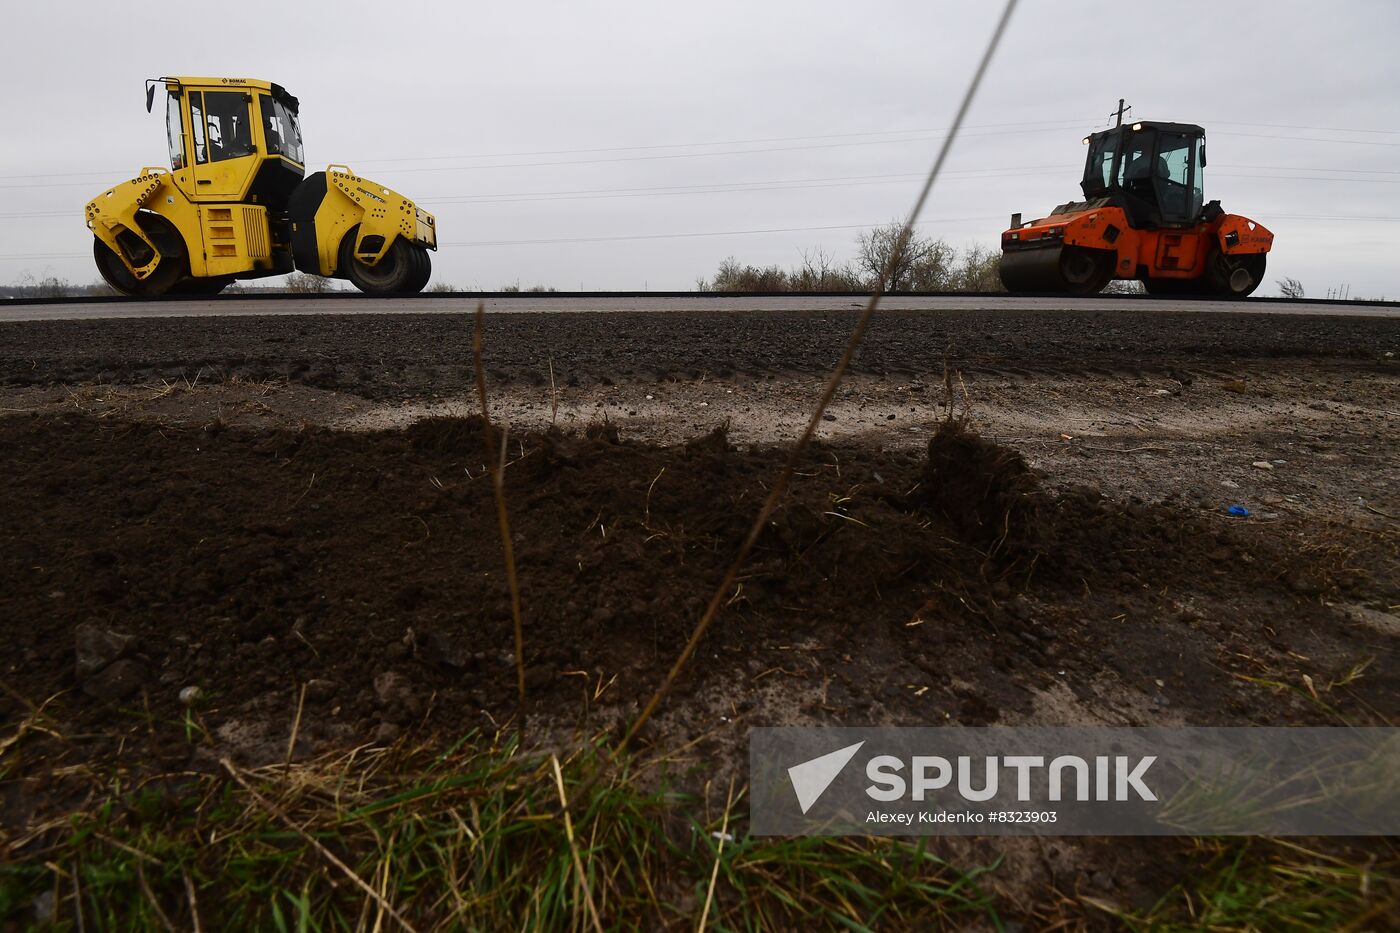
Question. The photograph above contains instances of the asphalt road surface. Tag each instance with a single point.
(235, 306)
(425, 346)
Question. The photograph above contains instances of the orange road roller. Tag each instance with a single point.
(1143, 217)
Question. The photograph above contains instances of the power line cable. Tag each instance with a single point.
(749, 232)
(1307, 139)
(1021, 127)
(725, 142)
(1319, 129)
(920, 135)
(836, 181)
(605, 161)
(706, 233)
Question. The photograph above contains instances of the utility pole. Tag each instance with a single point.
(1121, 110)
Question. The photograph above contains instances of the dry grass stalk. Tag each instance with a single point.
(151, 896)
(573, 846)
(194, 901)
(719, 853)
(780, 484)
(296, 726)
(502, 515)
(553, 394)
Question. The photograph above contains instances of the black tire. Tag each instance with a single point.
(1085, 271)
(1235, 276)
(424, 269)
(394, 274)
(167, 272)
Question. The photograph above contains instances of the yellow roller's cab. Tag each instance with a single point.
(237, 204)
(232, 139)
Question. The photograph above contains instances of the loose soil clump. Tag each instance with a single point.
(986, 491)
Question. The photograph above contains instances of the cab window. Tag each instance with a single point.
(175, 131)
(280, 128)
(1099, 174)
(226, 125)
(1137, 161)
(1198, 174)
(1175, 157)
(201, 147)
(1175, 164)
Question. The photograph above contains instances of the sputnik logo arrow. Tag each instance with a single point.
(811, 778)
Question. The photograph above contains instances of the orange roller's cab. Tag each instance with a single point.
(1143, 217)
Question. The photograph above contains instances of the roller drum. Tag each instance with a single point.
(1033, 270)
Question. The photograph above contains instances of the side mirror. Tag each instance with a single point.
(1203, 155)
(150, 96)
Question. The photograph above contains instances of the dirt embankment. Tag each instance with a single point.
(193, 565)
(910, 587)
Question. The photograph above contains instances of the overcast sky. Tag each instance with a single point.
(584, 144)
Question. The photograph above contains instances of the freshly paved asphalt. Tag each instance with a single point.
(237, 306)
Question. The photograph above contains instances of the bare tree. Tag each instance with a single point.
(979, 270)
(726, 276)
(820, 272)
(733, 277)
(903, 261)
(936, 269)
(814, 271)
(1290, 288)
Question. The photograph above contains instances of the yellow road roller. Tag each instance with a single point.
(236, 203)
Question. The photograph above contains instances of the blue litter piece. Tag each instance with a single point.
(1238, 510)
